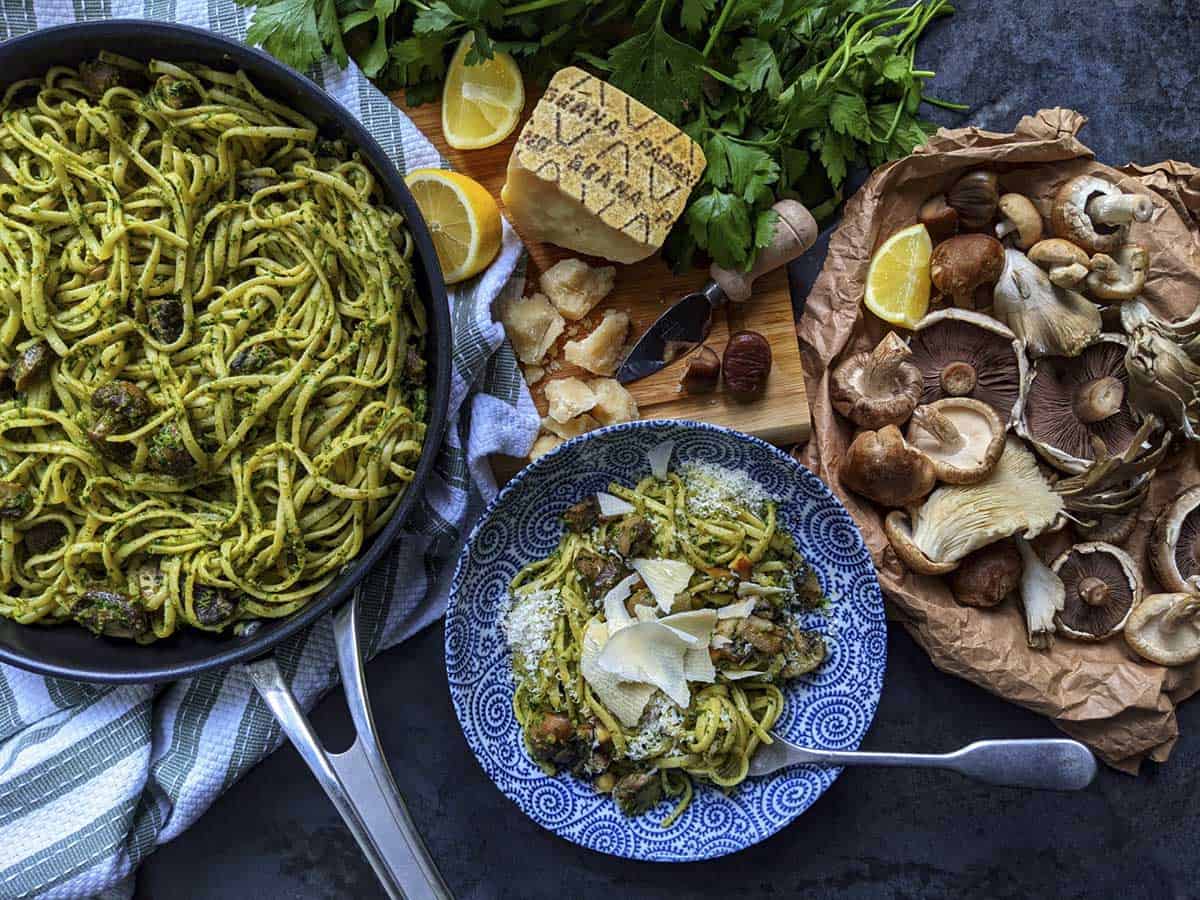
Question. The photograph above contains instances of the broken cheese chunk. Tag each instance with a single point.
(568, 398)
(543, 445)
(575, 288)
(597, 172)
(532, 325)
(600, 351)
(613, 403)
(572, 427)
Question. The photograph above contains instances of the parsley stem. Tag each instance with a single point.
(531, 6)
(944, 104)
(726, 11)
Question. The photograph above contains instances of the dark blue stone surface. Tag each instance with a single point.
(1133, 66)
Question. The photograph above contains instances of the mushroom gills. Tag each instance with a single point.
(1163, 361)
(1052, 321)
(961, 353)
(956, 520)
(1175, 543)
(1102, 586)
(1070, 404)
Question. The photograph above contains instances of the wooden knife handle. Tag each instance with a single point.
(795, 231)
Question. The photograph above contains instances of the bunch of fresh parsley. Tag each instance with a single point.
(783, 95)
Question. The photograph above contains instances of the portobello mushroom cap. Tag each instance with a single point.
(1070, 404)
(1165, 629)
(1175, 544)
(1102, 587)
(961, 353)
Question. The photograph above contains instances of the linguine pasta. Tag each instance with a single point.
(211, 351)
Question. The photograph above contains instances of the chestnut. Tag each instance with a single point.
(747, 364)
(702, 373)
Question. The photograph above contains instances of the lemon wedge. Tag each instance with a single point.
(481, 104)
(463, 220)
(898, 278)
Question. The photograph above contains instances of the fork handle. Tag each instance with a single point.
(1053, 764)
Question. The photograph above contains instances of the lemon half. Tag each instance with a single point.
(898, 282)
(463, 220)
(481, 104)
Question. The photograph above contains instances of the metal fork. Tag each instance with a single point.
(1055, 764)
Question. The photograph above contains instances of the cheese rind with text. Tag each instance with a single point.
(599, 173)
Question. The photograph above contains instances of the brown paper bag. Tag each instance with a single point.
(1098, 693)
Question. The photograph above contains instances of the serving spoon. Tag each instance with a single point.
(1053, 764)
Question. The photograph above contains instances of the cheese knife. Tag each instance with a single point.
(1052, 764)
(685, 326)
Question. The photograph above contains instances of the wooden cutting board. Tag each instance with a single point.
(647, 289)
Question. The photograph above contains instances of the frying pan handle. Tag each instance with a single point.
(358, 781)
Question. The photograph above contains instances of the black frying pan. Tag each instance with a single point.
(358, 780)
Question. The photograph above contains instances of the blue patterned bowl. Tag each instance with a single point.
(831, 708)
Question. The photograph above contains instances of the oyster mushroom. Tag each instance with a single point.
(974, 197)
(1120, 276)
(1103, 500)
(1066, 265)
(963, 263)
(1095, 214)
(1163, 361)
(1175, 544)
(1043, 596)
(1071, 403)
(883, 467)
(1165, 629)
(1020, 217)
(988, 575)
(879, 387)
(956, 520)
(967, 354)
(1052, 321)
(1102, 586)
(963, 438)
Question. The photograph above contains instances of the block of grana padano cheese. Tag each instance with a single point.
(597, 172)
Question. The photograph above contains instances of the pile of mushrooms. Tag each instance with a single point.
(1015, 358)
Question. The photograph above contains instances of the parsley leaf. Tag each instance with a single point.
(757, 67)
(659, 70)
(748, 171)
(848, 115)
(720, 223)
(695, 13)
(288, 30)
(764, 228)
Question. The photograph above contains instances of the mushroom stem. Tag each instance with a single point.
(1094, 591)
(1188, 609)
(880, 372)
(940, 426)
(1108, 209)
(958, 379)
(1099, 399)
(1005, 228)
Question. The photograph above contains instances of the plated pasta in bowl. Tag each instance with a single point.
(223, 351)
(637, 612)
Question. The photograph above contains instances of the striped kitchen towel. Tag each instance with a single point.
(93, 777)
